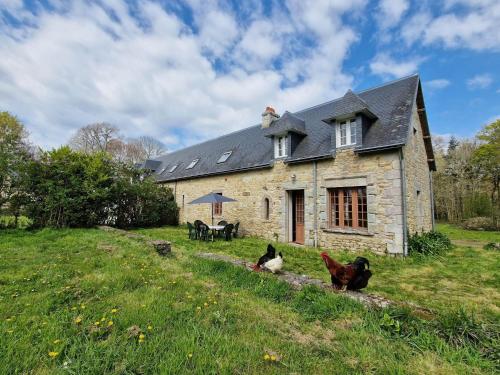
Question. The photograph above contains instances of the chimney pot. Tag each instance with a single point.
(268, 117)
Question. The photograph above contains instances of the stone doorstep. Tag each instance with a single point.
(299, 281)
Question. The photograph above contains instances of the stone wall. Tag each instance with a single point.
(418, 190)
(379, 172)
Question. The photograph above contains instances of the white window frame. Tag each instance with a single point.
(349, 125)
(192, 164)
(173, 168)
(280, 150)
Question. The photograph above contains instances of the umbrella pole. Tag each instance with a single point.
(212, 214)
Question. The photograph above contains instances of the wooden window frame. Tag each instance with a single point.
(218, 207)
(337, 202)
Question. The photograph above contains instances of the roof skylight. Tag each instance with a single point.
(163, 170)
(192, 164)
(224, 157)
(172, 169)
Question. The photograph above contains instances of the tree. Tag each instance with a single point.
(487, 157)
(67, 188)
(94, 138)
(14, 153)
(150, 147)
(104, 137)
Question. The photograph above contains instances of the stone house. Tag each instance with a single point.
(353, 173)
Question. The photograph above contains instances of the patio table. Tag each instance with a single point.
(215, 228)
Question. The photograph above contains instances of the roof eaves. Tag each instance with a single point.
(236, 170)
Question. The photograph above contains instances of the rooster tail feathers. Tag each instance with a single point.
(362, 262)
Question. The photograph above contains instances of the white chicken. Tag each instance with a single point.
(274, 265)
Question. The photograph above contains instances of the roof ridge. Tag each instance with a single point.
(359, 92)
(293, 113)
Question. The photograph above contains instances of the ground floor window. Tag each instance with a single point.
(347, 208)
(218, 208)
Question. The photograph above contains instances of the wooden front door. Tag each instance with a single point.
(298, 216)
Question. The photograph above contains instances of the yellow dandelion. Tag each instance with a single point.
(82, 307)
(114, 311)
(141, 341)
(273, 358)
(190, 355)
(150, 328)
(205, 304)
(103, 319)
(215, 302)
(198, 307)
(78, 320)
(110, 323)
(53, 354)
(97, 323)
(56, 341)
(266, 357)
(142, 336)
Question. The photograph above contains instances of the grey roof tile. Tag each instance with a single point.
(286, 123)
(390, 103)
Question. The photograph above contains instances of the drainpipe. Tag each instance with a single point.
(432, 200)
(315, 203)
(403, 201)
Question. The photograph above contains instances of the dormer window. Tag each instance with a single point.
(224, 157)
(192, 164)
(280, 147)
(172, 169)
(346, 133)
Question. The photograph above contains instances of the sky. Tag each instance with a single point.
(189, 70)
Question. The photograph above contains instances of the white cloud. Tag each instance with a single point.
(437, 83)
(94, 62)
(462, 24)
(480, 81)
(384, 65)
(390, 12)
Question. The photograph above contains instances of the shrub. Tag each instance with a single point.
(65, 188)
(9, 222)
(480, 223)
(429, 243)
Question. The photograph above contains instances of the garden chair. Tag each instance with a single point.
(228, 230)
(221, 232)
(236, 228)
(197, 224)
(192, 231)
(204, 233)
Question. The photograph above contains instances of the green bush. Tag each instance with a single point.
(65, 188)
(480, 223)
(429, 243)
(9, 222)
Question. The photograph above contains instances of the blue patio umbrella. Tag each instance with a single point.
(212, 198)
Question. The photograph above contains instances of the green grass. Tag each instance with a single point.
(50, 278)
(456, 233)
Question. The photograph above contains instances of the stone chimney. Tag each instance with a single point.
(268, 116)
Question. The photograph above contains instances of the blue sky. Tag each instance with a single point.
(184, 71)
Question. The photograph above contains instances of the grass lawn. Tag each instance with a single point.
(87, 296)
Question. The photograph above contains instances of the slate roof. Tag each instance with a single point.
(391, 103)
(350, 104)
(286, 123)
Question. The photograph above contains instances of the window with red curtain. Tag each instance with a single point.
(347, 208)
